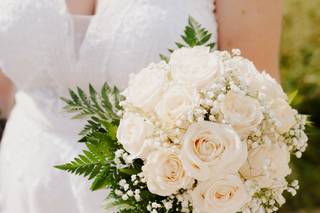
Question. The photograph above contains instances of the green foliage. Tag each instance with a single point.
(292, 96)
(300, 69)
(194, 35)
(99, 134)
(100, 109)
(86, 164)
(104, 105)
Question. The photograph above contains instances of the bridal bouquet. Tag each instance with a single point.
(202, 131)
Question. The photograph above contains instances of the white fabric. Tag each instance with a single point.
(81, 24)
(42, 51)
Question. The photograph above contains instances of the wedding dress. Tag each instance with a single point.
(45, 51)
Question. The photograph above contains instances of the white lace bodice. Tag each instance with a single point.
(37, 47)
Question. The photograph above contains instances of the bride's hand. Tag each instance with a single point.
(6, 95)
(254, 27)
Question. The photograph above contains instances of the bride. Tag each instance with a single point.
(48, 46)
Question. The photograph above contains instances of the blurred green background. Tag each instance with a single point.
(300, 70)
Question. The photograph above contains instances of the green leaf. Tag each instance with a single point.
(90, 162)
(94, 98)
(83, 97)
(102, 106)
(292, 96)
(194, 35)
(117, 97)
(74, 97)
(83, 165)
(111, 129)
(105, 96)
(101, 180)
(309, 122)
(179, 45)
(129, 171)
(205, 39)
(164, 58)
(113, 205)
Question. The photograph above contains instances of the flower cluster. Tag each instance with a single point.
(212, 129)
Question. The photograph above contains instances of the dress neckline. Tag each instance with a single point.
(72, 25)
(82, 16)
(81, 23)
(80, 26)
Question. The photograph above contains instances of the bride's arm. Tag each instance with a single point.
(254, 26)
(6, 95)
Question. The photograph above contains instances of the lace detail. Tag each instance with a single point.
(33, 37)
(36, 38)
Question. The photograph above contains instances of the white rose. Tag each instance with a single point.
(176, 102)
(242, 112)
(146, 87)
(132, 132)
(284, 115)
(226, 194)
(164, 172)
(211, 149)
(195, 67)
(268, 165)
(270, 87)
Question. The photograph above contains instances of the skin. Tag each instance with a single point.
(6, 95)
(82, 7)
(254, 26)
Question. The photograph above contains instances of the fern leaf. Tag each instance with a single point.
(101, 180)
(164, 58)
(94, 98)
(179, 45)
(113, 205)
(194, 35)
(88, 163)
(82, 166)
(117, 97)
(111, 129)
(105, 96)
(102, 106)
